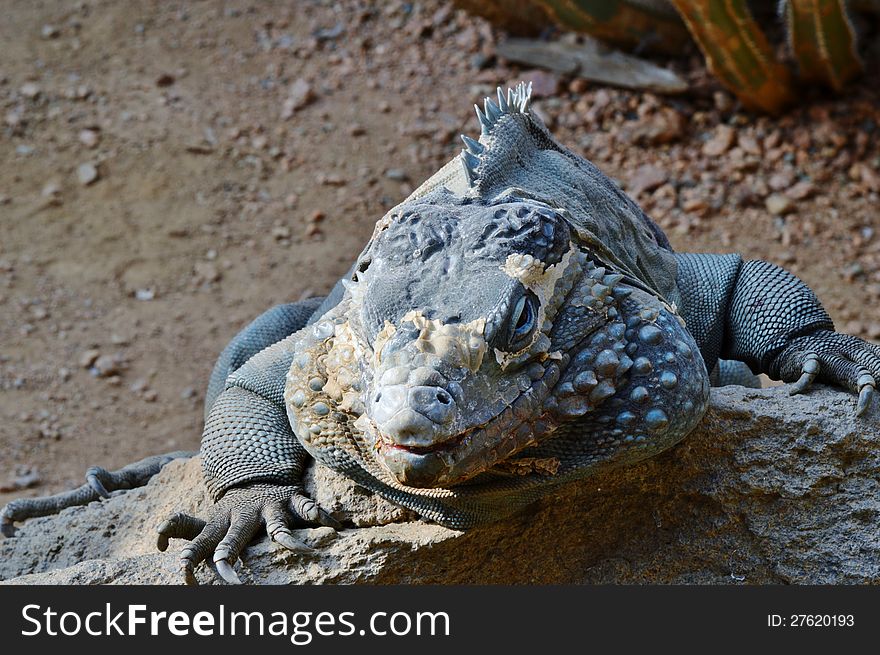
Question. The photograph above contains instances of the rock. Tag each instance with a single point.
(770, 488)
(854, 270)
(397, 174)
(87, 173)
(801, 190)
(646, 178)
(280, 232)
(481, 61)
(592, 61)
(106, 366)
(781, 180)
(30, 90)
(23, 479)
(723, 101)
(578, 86)
(88, 357)
(144, 294)
(870, 178)
(207, 272)
(544, 84)
(89, 138)
(665, 126)
(749, 145)
(720, 142)
(778, 204)
(331, 179)
(51, 192)
(299, 95)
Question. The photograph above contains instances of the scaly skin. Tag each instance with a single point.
(517, 323)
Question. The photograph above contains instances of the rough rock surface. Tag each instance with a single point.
(769, 489)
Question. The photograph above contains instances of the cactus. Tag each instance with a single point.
(823, 42)
(737, 52)
(821, 37)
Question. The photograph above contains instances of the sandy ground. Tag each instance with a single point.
(169, 170)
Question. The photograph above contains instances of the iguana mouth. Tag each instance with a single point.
(446, 445)
(437, 464)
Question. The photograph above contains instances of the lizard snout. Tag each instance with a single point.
(413, 416)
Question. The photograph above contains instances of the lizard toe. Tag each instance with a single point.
(201, 547)
(96, 477)
(275, 517)
(7, 527)
(809, 370)
(308, 511)
(178, 526)
(242, 528)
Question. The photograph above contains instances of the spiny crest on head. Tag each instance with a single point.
(516, 101)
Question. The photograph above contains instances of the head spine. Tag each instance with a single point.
(516, 101)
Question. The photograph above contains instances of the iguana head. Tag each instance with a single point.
(454, 305)
(480, 316)
(443, 354)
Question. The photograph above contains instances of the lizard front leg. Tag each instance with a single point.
(253, 466)
(760, 314)
(776, 325)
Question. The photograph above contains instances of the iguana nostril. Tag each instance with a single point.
(433, 404)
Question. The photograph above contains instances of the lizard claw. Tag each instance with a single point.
(100, 483)
(809, 371)
(307, 509)
(226, 571)
(178, 526)
(291, 543)
(833, 358)
(189, 577)
(866, 393)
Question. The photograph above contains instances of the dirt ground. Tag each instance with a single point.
(171, 169)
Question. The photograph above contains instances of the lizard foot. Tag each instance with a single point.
(839, 359)
(100, 483)
(234, 522)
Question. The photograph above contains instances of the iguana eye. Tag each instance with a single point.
(522, 322)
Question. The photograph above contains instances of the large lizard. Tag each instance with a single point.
(517, 323)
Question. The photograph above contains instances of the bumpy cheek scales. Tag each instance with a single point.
(652, 389)
(323, 387)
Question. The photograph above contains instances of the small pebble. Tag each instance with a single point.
(30, 90)
(89, 138)
(778, 204)
(88, 358)
(86, 173)
(720, 142)
(396, 174)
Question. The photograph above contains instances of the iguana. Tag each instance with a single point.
(515, 324)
